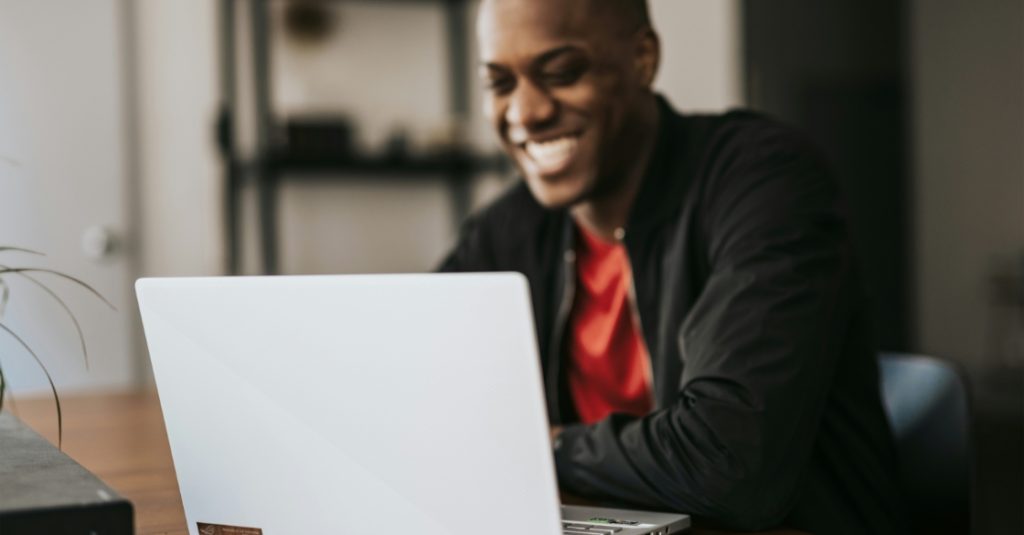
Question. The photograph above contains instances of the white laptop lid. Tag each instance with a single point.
(354, 404)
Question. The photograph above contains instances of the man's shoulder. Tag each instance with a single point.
(706, 160)
(743, 133)
(743, 156)
(744, 147)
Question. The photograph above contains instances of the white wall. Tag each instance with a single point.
(967, 80)
(702, 53)
(180, 180)
(64, 169)
(385, 69)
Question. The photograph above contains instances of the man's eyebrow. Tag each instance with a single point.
(543, 58)
(554, 53)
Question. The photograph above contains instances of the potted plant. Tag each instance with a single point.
(30, 274)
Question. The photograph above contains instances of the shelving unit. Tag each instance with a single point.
(274, 163)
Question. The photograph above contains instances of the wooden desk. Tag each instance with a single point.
(121, 438)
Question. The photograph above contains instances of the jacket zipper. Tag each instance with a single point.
(561, 318)
(635, 310)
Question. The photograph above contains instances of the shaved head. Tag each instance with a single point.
(624, 15)
(632, 13)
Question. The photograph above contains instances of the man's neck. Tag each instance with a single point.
(608, 213)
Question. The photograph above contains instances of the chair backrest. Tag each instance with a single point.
(927, 405)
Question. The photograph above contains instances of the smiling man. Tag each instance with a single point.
(702, 331)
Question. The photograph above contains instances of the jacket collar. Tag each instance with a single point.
(663, 183)
(659, 193)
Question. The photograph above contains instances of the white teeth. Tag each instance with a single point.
(554, 154)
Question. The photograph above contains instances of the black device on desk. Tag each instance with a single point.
(42, 490)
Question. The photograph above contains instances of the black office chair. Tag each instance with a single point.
(926, 401)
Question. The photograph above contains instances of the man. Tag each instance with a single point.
(704, 343)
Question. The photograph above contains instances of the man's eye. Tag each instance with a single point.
(499, 85)
(563, 72)
(562, 76)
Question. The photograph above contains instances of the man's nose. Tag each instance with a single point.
(529, 106)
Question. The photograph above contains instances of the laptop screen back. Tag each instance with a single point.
(353, 404)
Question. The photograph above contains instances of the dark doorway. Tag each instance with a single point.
(836, 70)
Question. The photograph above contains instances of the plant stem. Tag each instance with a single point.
(63, 276)
(67, 310)
(49, 379)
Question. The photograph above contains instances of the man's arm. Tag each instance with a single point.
(760, 349)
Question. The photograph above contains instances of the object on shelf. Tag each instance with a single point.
(318, 138)
(397, 147)
(310, 22)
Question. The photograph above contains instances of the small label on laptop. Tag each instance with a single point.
(222, 529)
(599, 520)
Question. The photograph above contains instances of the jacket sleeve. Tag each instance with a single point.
(760, 347)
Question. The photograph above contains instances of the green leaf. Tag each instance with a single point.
(67, 310)
(20, 250)
(6, 389)
(49, 379)
(61, 275)
(5, 294)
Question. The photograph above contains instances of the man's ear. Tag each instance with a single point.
(648, 55)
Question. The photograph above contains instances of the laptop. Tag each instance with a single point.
(361, 404)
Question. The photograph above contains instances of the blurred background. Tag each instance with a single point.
(203, 137)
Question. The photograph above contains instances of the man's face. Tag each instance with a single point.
(561, 79)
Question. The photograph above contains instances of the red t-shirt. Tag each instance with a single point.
(609, 369)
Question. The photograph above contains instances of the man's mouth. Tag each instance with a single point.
(552, 156)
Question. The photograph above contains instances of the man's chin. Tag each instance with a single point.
(555, 196)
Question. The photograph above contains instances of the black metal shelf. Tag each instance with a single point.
(334, 168)
(271, 164)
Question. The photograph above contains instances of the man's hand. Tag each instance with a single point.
(555, 431)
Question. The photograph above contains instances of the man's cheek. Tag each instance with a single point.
(579, 97)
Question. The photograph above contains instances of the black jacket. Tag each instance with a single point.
(765, 378)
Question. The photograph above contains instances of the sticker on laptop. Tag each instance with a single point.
(222, 529)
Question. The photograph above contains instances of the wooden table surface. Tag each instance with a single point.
(121, 438)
